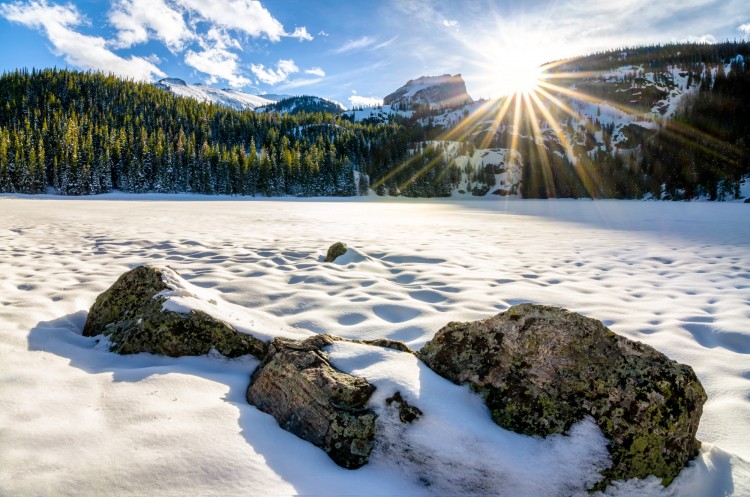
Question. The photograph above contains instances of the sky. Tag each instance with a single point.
(351, 51)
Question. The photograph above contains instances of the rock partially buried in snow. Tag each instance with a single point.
(540, 369)
(132, 314)
(336, 250)
(297, 385)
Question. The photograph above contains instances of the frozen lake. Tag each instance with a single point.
(79, 421)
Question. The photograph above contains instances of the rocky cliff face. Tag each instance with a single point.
(434, 91)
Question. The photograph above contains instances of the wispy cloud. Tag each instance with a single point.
(450, 23)
(385, 43)
(284, 68)
(316, 71)
(300, 83)
(136, 20)
(357, 44)
(83, 51)
(744, 29)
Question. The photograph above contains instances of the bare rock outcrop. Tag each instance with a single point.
(540, 369)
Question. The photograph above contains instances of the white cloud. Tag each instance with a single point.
(85, 52)
(357, 44)
(217, 63)
(360, 101)
(135, 19)
(316, 71)
(301, 34)
(218, 38)
(322, 33)
(745, 29)
(248, 16)
(284, 68)
(450, 23)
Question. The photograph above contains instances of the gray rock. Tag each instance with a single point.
(336, 250)
(407, 413)
(297, 385)
(540, 369)
(130, 313)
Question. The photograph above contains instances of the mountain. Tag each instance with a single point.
(667, 122)
(304, 103)
(663, 122)
(228, 98)
(432, 91)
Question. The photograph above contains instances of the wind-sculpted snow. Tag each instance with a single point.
(79, 420)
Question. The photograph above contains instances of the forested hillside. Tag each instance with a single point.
(86, 133)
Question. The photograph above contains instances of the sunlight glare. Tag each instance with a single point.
(517, 77)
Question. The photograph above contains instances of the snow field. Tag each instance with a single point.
(78, 420)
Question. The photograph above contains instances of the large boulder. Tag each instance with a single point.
(131, 314)
(297, 385)
(540, 369)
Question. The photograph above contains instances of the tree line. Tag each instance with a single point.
(79, 133)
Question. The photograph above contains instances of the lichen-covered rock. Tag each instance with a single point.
(130, 313)
(297, 385)
(336, 250)
(540, 369)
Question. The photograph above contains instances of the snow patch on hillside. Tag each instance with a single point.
(227, 97)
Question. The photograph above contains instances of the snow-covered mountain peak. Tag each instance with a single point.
(434, 91)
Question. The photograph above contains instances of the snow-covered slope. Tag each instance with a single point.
(481, 172)
(226, 97)
(378, 114)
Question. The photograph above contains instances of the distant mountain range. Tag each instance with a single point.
(660, 122)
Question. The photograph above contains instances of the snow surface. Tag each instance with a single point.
(77, 420)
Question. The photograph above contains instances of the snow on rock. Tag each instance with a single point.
(136, 315)
(455, 448)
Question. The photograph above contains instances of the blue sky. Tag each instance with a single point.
(346, 50)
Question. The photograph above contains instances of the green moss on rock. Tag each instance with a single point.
(336, 250)
(541, 369)
(130, 314)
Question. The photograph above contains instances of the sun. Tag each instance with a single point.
(514, 77)
(525, 79)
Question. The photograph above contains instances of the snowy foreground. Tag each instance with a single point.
(77, 420)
